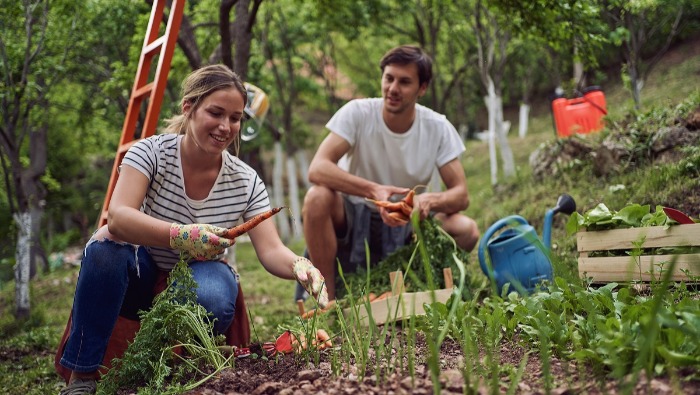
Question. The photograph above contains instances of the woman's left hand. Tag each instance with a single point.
(311, 279)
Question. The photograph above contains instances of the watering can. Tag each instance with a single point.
(517, 255)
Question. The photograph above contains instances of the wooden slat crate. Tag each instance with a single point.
(643, 267)
(402, 304)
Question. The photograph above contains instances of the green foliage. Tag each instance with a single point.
(441, 251)
(175, 340)
(558, 23)
(631, 216)
(610, 328)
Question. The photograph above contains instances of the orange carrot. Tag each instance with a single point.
(310, 314)
(399, 216)
(367, 298)
(238, 230)
(383, 296)
(406, 209)
(323, 340)
(391, 206)
(409, 197)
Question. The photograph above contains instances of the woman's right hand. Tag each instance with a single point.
(200, 241)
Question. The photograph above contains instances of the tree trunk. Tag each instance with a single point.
(490, 106)
(242, 37)
(579, 76)
(303, 161)
(294, 204)
(635, 85)
(278, 190)
(523, 120)
(506, 152)
(23, 263)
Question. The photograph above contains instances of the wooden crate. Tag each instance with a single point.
(401, 304)
(643, 267)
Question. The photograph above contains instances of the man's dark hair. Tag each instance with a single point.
(407, 54)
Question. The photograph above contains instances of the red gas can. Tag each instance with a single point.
(581, 114)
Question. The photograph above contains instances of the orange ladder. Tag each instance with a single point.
(153, 44)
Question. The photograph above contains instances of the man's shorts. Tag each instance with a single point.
(364, 231)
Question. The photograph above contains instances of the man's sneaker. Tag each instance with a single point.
(80, 387)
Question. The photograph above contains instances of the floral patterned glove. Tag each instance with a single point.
(311, 279)
(201, 241)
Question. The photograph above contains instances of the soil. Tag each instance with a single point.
(292, 375)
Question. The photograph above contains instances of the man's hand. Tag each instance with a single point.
(201, 241)
(311, 279)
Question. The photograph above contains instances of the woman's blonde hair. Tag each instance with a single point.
(197, 86)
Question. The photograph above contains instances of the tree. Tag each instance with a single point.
(214, 32)
(635, 28)
(492, 38)
(33, 63)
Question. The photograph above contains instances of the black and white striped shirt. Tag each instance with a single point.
(238, 191)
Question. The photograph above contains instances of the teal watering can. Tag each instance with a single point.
(517, 255)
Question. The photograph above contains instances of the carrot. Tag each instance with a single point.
(406, 209)
(391, 206)
(323, 340)
(399, 216)
(369, 298)
(313, 312)
(310, 314)
(408, 199)
(383, 296)
(238, 230)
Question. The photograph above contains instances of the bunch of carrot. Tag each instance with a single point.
(238, 230)
(289, 342)
(400, 210)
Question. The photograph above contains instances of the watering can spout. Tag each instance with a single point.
(565, 204)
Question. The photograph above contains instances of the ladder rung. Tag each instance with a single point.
(153, 46)
(143, 91)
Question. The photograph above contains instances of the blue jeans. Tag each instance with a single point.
(118, 279)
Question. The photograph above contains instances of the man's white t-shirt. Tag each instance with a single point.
(380, 155)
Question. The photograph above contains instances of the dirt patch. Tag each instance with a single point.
(292, 375)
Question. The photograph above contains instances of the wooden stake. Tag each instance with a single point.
(300, 306)
(447, 275)
(396, 279)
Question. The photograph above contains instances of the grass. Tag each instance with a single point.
(598, 323)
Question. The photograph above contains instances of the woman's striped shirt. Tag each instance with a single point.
(238, 190)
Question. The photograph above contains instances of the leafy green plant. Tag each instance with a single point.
(440, 251)
(175, 342)
(631, 216)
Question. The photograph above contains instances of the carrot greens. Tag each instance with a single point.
(175, 342)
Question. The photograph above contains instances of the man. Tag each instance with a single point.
(380, 148)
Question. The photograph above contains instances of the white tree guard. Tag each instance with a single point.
(294, 198)
(494, 105)
(278, 190)
(523, 120)
(303, 160)
(23, 263)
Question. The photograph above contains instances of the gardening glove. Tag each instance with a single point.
(311, 279)
(201, 241)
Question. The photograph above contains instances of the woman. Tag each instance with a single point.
(176, 193)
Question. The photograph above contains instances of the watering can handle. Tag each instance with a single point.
(501, 223)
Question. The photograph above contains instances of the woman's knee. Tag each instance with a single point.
(217, 290)
(108, 254)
